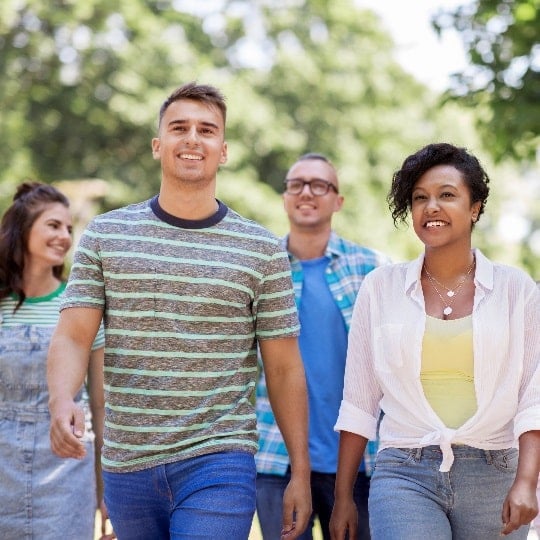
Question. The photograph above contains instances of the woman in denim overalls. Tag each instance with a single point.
(41, 495)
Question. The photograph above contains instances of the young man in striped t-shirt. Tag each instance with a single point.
(187, 289)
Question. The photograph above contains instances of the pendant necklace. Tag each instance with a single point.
(450, 293)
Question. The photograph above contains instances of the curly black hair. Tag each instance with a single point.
(403, 182)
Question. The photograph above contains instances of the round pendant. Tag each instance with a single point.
(447, 310)
(450, 293)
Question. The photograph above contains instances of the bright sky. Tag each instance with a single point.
(419, 50)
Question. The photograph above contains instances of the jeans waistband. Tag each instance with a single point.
(459, 450)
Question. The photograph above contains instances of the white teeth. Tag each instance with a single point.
(435, 224)
(190, 156)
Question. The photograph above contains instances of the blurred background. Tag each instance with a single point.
(82, 83)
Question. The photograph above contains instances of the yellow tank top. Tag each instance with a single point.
(447, 372)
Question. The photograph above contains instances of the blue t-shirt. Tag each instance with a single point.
(323, 344)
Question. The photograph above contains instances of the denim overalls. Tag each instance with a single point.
(42, 496)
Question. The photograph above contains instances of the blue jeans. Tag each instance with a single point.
(205, 497)
(270, 489)
(410, 499)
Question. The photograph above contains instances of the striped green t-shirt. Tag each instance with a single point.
(184, 304)
(37, 311)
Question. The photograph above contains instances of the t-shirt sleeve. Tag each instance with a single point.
(274, 307)
(85, 286)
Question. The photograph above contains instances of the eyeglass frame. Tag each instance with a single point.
(328, 184)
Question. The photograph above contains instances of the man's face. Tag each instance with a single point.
(308, 211)
(191, 142)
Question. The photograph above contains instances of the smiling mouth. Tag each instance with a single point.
(435, 224)
(191, 157)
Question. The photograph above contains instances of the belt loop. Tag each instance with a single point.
(417, 454)
(489, 457)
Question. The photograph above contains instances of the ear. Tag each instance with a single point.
(156, 145)
(475, 211)
(224, 154)
(338, 204)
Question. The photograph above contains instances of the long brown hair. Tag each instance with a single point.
(29, 201)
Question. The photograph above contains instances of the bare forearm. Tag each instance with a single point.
(529, 458)
(69, 352)
(288, 398)
(286, 383)
(67, 365)
(351, 450)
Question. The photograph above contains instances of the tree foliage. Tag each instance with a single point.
(83, 82)
(503, 79)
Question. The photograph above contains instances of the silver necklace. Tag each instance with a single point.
(450, 293)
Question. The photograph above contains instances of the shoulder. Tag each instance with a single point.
(388, 274)
(356, 251)
(131, 215)
(249, 230)
(495, 274)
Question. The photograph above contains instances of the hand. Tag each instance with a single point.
(520, 506)
(104, 519)
(344, 518)
(67, 428)
(296, 507)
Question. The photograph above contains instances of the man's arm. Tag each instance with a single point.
(67, 365)
(286, 383)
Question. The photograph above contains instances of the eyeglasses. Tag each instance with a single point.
(318, 188)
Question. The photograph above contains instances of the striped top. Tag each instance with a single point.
(184, 305)
(37, 311)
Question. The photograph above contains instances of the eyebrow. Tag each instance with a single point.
(303, 179)
(444, 186)
(203, 123)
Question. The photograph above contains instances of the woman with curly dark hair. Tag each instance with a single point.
(448, 348)
(41, 495)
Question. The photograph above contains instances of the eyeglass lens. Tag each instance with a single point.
(317, 187)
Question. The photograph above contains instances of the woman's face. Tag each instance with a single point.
(441, 207)
(49, 238)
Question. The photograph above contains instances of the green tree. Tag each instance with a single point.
(83, 81)
(502, 81)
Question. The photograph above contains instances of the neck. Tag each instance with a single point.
(308, 244)
(448, 267)
(39, 282)
(189, 204)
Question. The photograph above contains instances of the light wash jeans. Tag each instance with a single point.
(207, 497)
(411, 500)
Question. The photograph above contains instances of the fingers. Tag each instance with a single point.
(67, 427)
(296, 510)
(514, 516)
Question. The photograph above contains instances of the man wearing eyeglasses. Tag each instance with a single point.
(327, 272)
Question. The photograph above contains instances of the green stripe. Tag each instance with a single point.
(176, 393)
(176, 316)
(179, 298)
(180, 260)
(179, 374)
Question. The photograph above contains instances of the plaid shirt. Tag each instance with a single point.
(349, 264)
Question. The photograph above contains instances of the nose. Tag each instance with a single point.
(306, 188)
(192, 136)
(65, 234)
(432, 205)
